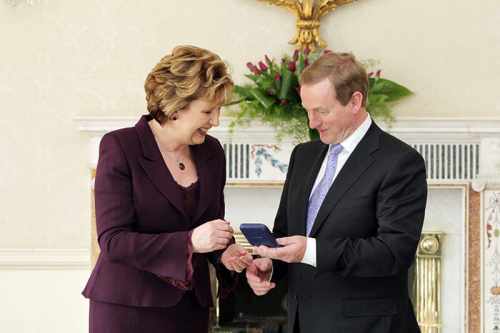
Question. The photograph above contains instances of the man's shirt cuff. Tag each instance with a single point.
(310, 254)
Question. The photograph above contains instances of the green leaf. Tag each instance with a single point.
(286, 83)
(381, 111)
(265, 83)
(253, 77)
(243, 91)
(391, 89)
(266, 101)
(289, 83)
(300, 63)
(371, 82)
(377, 99)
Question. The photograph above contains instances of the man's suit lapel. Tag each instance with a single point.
(155, 168)
(359, 160)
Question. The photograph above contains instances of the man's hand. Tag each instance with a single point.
(236, 258)
(259, 276)
(293, 249)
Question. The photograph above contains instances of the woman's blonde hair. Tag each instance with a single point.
(189, 73)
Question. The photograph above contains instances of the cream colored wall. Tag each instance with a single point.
(62, 59)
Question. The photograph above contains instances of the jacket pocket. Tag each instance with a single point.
(369, 307)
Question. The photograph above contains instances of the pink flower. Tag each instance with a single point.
(307, 51)
(292, 66)
(253, 68)
(277, 77)
(262, 66)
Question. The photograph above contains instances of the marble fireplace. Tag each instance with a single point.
(457, 272)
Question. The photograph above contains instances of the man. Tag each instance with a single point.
(350, 215)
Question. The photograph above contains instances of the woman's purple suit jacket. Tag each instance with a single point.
(142, 227)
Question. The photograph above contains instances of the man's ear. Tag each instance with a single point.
(356, 101)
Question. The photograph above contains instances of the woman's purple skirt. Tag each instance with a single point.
(185, 317)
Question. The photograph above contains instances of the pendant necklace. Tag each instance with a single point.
(180, 164)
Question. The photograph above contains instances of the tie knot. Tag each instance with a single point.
(336, 149)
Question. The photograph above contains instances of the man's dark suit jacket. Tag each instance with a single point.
(366, 231)
(142, 227)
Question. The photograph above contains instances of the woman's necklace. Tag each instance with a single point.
(180, 164)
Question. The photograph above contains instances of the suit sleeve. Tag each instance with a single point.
(400, 211)
(280, 268)
(163, 254)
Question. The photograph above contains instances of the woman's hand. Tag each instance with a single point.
(236, 258)
(211, 236)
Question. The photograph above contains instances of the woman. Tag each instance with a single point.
(160, 206)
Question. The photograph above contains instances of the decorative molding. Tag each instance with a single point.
(444, 130)
(490, 229)
(436, 132)
(101, 125)
(44, 259)
(256, 133)
(15, 3)
(478, 185)
(433, 184)
(255, 184)
(410, 129)
(483, 184)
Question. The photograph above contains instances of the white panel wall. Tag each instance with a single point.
(42, 301)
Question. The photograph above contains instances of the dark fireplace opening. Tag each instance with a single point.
(243, 311)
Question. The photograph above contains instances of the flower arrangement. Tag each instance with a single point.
(273, 95)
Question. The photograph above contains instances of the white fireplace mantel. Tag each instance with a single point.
(454, 149)
(408, 129)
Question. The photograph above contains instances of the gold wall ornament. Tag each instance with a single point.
(427, 282)
(308, 13)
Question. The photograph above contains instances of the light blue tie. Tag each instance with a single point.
(322, 188)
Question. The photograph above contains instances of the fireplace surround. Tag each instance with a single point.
(457, 271)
